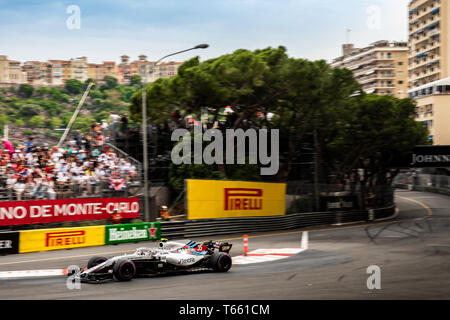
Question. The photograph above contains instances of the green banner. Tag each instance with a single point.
(133, 232)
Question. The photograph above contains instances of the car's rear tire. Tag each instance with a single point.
(124, 270)
(220, 262)
(95, 261)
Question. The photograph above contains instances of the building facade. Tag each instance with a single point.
(429, 66)
(381, 68)
(11, 71)
(79, 69)
(57, 72)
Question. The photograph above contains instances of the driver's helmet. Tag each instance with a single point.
(141, 251)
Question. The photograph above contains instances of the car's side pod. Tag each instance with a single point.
(225, 247)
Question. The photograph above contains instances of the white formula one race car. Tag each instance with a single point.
(170, 256)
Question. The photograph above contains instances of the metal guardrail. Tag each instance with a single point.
(213, 227)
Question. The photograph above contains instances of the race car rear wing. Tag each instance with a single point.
(225, 247)
(222, 246)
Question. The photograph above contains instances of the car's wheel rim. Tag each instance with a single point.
(127, 271)
(224, 263)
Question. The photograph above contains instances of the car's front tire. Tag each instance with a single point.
(95, 261)
(124, 270)
(220, 262)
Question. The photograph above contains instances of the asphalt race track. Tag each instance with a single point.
(412, 251)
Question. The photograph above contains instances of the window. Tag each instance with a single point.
(400, 63)
(400, 82)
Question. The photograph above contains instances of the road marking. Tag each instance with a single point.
(266, 255)
(32, 273)
(427, 208)
(430, 212)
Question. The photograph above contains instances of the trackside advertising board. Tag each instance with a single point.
(210, 199)
(136, 232)
(9, 242)
(47, 211)
(61, 238)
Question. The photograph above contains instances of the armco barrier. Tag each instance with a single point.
(212, 227)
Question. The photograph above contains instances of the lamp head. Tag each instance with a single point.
(202, 46)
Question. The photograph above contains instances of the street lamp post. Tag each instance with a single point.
(147, 216)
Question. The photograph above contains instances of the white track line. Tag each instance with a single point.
(266, 255)
(32, 273)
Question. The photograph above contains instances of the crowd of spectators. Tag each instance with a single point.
(84, 166)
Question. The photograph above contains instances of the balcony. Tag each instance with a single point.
(421, 8)
(359, 72)
(425, 66)
(371, 78)
(379, 85)
(385, 67)
(426, 74)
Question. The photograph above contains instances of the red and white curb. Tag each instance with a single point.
(32, 273)
(267, 255)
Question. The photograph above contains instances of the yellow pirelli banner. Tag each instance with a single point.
(210, 199)
(61, 238)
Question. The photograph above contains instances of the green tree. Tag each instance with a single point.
(110, 83)
(73, 86)
(135, 80)
(36, 122)
(87, 82)
(178, 173)
(29, 110)
(95, 93)
(42, 91)
(3, 120)
(374, 131)
(19, 123)
(55, 123)
(25, 90)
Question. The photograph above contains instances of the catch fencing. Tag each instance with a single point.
(72, 190)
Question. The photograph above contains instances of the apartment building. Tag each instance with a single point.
(381, 68)
(124, 69)
(109, 68)
(79, 69)
(429, 66)
(37, 72)
(95, 71)
(56, 72)
(11, 71)
(16, 75)
(162, 70)
(98, 71)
